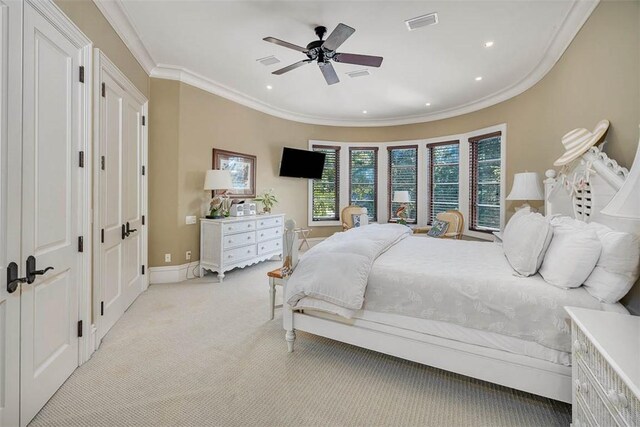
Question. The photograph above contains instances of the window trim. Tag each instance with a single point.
(430, 146)
(390, 148)
(353, 148)
(337, 185)
(473, 184)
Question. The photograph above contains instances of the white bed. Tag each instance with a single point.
(458, 306)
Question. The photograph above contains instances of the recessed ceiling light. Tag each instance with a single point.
(478, 78)
(364, 111)
(428, 104)
(269, 87)
(488, 44)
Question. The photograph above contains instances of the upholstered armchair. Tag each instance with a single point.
(346, 216)
(454, 229)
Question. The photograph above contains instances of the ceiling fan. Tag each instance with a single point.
(323, 51)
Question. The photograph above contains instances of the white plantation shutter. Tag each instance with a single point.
(363, 179)
(444, 164)
(403, 176)
(485, 176)
(326, 194)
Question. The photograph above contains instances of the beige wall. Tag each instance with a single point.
(597, 77)
(90, 20)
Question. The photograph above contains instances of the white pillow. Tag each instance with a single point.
(571, 256)
(525, 241)
(618, 267)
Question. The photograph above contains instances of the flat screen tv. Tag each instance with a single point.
(301, 163)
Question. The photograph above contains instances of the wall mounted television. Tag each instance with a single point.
(297, 163)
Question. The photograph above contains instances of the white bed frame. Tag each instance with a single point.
(604, 177)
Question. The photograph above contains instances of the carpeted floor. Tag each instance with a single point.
(202, 353)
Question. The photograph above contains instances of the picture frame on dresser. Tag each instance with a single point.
(243, 172)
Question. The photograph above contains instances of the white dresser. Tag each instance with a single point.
(606, 368)
(230, 243)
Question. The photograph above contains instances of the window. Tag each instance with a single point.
(444, 162)
(363, 179)
(403, 176)
(326, 194)
(485, 178)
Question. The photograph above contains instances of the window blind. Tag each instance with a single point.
(326, 194)
(485, 174)
(403, 176)
(444, 163)
(363, 179)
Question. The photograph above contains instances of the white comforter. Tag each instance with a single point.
(337, 270)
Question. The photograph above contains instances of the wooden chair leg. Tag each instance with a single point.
(272, 297)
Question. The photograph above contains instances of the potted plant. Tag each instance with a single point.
(268, 200)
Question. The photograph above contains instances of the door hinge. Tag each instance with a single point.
(142, 219)
(102, 236)
(101, 308)
(144, 170)
(80, 244)
(81, 160)
(102, 162)
(104, 90)
(81, 76)
(144, 121)
(79, 328)
(143, 269)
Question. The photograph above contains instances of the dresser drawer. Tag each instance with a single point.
(235, 240)
(239, 227)
(232, 255)
(269, 233)
(269, 222)
(269, 246)
(591, 393)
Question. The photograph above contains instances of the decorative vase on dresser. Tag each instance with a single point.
(237, 242)
(605, 368)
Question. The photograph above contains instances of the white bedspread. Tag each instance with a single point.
(336, 271)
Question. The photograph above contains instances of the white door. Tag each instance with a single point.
(10, 195)
(51, 210)
(120, 133)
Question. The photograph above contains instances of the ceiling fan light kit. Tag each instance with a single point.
(324, 51)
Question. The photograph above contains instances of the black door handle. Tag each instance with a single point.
(12, 277)
(31, 269)
(130, 230)
(124, 233)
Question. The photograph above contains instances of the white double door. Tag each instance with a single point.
(44, 205)
(121, 131)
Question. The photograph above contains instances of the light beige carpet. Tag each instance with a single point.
(202, 353)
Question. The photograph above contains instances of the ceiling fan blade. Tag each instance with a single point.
(338, 36)
(285, 44)
(352, 58)
(329, 73)
(290, 67)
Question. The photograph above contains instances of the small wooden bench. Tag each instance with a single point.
(275, 278)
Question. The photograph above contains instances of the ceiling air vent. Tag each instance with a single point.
(422, 21)
(358, 73)
(268, 60)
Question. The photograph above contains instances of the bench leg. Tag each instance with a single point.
(272, 297)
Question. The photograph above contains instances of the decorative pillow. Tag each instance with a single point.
(359, 220)
(618, 267)
(571, 257)
(438, 228)
(525, 241)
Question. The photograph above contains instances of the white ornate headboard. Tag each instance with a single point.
(583, 189)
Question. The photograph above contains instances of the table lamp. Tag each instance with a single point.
(526, 186)
(218, 180)
(403, 198)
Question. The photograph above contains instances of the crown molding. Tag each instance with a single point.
(574, 20)
(121, 23)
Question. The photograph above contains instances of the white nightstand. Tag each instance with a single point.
(605, 368)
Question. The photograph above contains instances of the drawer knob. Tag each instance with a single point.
(619, 400)
(277, 231)
(229, 256)
(581, 387)
(248, 251)
(229, 240)
(277, 243)
(248, 237)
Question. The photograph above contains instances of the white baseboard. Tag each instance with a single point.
(172, 273)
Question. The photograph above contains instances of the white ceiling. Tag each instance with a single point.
(214, 45)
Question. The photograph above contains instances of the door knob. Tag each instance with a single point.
(12, 277)
(31, 269)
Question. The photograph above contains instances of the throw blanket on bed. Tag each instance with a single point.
(337, 270)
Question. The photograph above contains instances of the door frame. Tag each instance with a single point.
(51, 12)
(103, 64)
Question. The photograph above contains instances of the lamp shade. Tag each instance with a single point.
(401, 197)
(218, 180)
(526, 186)
(626, 202)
